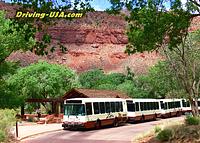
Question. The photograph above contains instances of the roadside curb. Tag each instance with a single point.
(20, 139)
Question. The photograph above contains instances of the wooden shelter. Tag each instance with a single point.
(93, 93)
(57, 103)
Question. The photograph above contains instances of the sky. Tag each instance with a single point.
(98, 5)
(101, 5)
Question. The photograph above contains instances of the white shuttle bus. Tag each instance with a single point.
(170, 107)
(186, 108)
(94, 112)
(143, 109)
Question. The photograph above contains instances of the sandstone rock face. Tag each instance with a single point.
(96, 40)
(87, 36)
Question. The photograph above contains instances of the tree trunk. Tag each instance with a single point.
(22, 110)
(194, 107)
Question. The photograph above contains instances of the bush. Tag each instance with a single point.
(2, 136)
(190, 120)
(157, 129)
(106, 87)
(164, 135)
(7, 120)
(30, 119)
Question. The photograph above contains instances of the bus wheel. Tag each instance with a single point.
(98, 124)
(116, 123)
(65, 128)
(143, 118)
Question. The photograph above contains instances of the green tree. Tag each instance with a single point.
(127, 87)
(158, 24)
(150, 22)
(113, 78)
(99, 80)
(90, 79)
(162, 80)
(106, 86)
(42, 80)
(184, 62)
(11, 40)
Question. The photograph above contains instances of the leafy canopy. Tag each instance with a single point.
(97, 79)
(42, 80)
(12, 38)
(154, 23)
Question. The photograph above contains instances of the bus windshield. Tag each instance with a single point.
(74, 109)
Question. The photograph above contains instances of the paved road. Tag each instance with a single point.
(122, 134)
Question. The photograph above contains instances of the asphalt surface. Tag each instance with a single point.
(121, 134)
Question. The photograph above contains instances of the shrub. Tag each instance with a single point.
(164, 135)
(30, 119)
(157, 129)
(7, 120)
(2, 136)
(190, 120)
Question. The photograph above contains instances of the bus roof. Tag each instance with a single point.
(168, 100)
(143, 100)
(97, 99)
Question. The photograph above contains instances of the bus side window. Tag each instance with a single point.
(145, 105)
(170, 105)
(120, 107)
(141, 106)
(137, 106)
(198, 103)
(188, 104)
(157, 105)
(173, 105)
(165, 107)
(112, 106)
(102, 107)
(107, 107)
(178, 104)
(130, 106)
(117, 106)
(154, 105)
(96, 107)
(150, 106)
(183, 103)
(162, 105)
(133, 107)
(88, 108)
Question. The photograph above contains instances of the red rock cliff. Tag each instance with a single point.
(97, 40)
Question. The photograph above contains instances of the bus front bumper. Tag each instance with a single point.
(73, 125)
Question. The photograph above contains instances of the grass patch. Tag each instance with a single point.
(190, 120)
(7, 120)
(186, 133)
(165, 135)
(2, 136)
(150, 136)
(181, 133)
(157, 129)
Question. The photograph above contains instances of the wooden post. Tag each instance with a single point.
(22, 111)
(17, 129)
